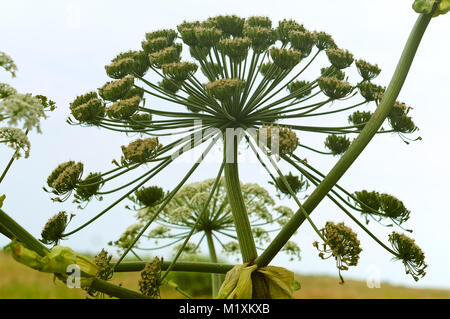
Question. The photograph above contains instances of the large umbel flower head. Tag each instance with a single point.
(243, 76)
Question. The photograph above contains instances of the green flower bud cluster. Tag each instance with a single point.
(167, 55)
(88, 187)
(339, 58)
(410, 254)
(296, 183)
(207, 37)
(158, 40)
(284, 138)
(151, 278)
(236, 48)
(115, 90)
(301, 89)
(332, 72)
(128, 63)
(259, 31)
(141, 150)
(88, 108)
(230, 25)
(324, 41)
(285, 59)
(370, 91)
(334, 88)
(54, 228)
(257, 21)
(169, 85)
(367, 71)
(140, 121)
(382, 206)
(341, 243)
(285, 27)
(179, 71)
(260, 37)
(149, 196)
(337, 144)
(399, 120)
(224, 89)
(65, 177)
(124, 109)
(359, 118)
(302, 41)
(197, 102)
(269, 70)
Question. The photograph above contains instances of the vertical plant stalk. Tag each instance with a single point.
(8, 166)
(215, 278)
(358, 145)
(234, 194)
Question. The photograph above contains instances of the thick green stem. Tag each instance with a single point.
(214, 268)
(358, 144)
(20, 234)
(116, 291)
(234, 193)
(215, 278)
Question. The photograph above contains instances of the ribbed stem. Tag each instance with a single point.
(234, 193)
(20, 234)
(215, 278)
(358, 144)
(135, 266)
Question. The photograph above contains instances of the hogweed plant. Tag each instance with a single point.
(246, 83)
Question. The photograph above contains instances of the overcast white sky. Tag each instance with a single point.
(61, 47)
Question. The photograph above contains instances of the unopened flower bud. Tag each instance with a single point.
(339, 58)
(115, 90)
(54, 228)
(284, 58)
(179, 71)
(300, 89)
(88, 108)
(230, 25)
(367, 71)
(337, 144)
(168, 55)
(224, 89)
(334, 88)
(149, 196)
(65, 177)
(141, 150)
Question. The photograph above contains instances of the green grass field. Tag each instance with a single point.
(18, 281)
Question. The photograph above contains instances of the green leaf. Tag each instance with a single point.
(2, 199)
